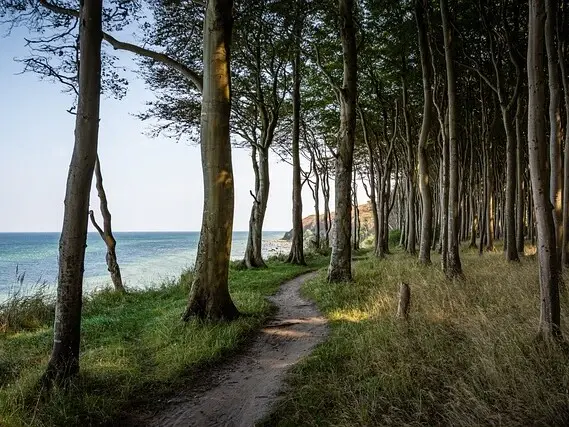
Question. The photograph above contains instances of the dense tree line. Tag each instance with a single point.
(453, 115)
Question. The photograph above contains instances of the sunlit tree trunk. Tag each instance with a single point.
(64, 360)
(209, 295)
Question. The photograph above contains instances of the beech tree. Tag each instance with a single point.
(549, 272)
(453, 265)
(209, 295)
(341, 259)
(64, 359)
(296, 255)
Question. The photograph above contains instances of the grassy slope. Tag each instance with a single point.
(467, 357)
(134, 347)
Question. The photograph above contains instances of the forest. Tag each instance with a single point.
(452, 115)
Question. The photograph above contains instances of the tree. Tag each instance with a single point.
(64, 360)
(209, 295)
(106, 232)
(453, 267)
(424, 186)
(340, 268)
(549, 272)
(296, 255)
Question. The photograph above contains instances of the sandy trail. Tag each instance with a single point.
(243, 391)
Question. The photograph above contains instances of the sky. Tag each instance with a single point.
(152, 184)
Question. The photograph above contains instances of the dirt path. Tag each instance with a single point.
(244, 390)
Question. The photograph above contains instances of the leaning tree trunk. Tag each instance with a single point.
(421, 12)
(106, 232)
(209, 295)
(254, 250)
(549, 271)
(341, 259)
(296, 255)
(64, 360)
(454, 267)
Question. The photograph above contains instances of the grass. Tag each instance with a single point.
(468, 355)
(135, 349)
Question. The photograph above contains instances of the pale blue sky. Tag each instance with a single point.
(152, 183)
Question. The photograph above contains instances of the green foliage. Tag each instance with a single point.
(468, 356)
(135, 349)
(394, 238)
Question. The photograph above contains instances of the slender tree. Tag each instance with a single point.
(453, 267)
(340, 268)
(296, 255)
(106, 232)
(424, 186)
(64, 360)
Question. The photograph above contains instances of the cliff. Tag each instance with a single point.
(309, 222)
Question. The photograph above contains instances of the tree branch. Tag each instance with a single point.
(185, 71)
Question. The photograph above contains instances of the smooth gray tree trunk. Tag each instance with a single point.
(340, 268)
(549, 271)
(209, 295)
(64, 359)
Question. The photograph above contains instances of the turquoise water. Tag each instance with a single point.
(145, 258)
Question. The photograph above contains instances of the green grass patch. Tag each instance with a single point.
(134, 349)
(468, 355)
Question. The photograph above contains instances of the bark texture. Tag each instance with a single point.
(453, 267)
(549, 274)
(209, 296)
(296, 255)
(64, 360)
(106, 232)
(340, 268)
(424, 185)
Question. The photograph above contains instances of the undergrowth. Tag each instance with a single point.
(135, 349)
(468, 355)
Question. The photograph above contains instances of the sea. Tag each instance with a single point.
(28, 261)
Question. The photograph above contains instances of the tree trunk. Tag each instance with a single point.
(562, 48)
(510, 247)
(549, 272)
(411, 224)
(356, 221)
(296, 255)
(341, 259)
(209, 296)
(107, 233)
(371, 172)
(64, 360)
(254, 250)
(519, 179)
(454, 267)
(327, 215)
(421, 11)
(556, 173)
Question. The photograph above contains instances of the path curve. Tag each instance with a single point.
(246, 388)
